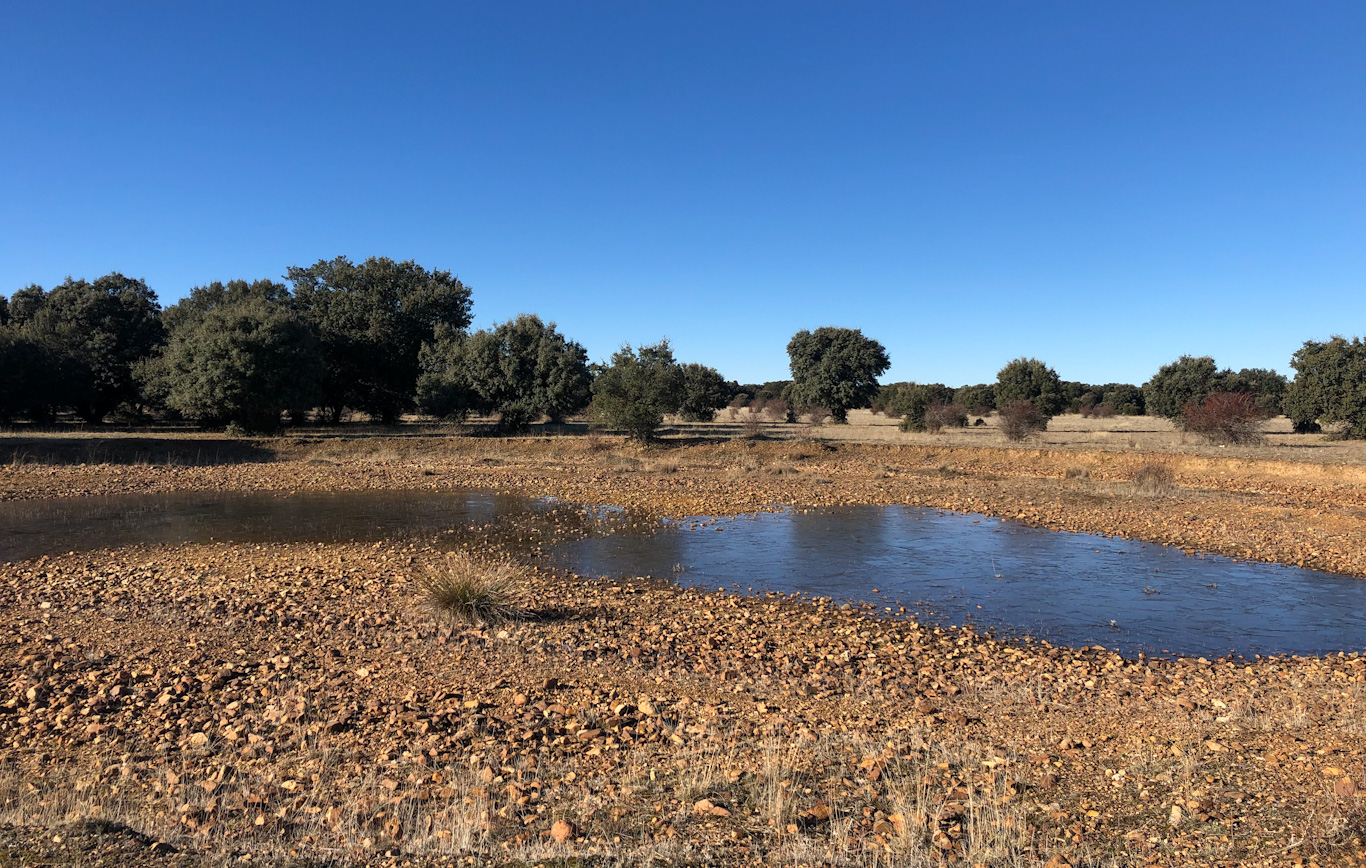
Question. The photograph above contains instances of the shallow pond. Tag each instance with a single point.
(1069, 588)
(1074, 589)
(29, 528)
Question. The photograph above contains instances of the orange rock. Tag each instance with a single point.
(562, 831)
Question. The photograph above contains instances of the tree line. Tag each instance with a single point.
(382, 338)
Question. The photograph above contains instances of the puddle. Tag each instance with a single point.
(1073, 589)
(1068, 588)
(29, 528)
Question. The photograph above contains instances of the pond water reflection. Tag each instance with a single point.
(1075, 589)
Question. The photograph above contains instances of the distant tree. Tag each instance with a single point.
(372, 320)
(635, 391)
(1266, 385)
(4, 311)
(25, 304)
(1074, 394)
(773, 390)
(1329, 385)
(1127, 399)
(239, 354)
(835, 368)
(92, 334)
(522, 369)
(704, 392)
(1189, 378)
(25, 379)
(977, 399)
(1030, 380)
(913, 400)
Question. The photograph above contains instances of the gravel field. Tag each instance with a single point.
(300, 704)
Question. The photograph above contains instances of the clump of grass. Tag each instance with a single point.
(1077, 472)
(467, 590)
(1154, 478)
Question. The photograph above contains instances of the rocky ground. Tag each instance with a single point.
(194, 705)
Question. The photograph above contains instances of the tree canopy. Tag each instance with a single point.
(639, 386)
(91, 335)
(1329, 385)
(372, 320)
(1027, 379)
(836, 368)
(239, 354)
(704, 392)
(522, 369)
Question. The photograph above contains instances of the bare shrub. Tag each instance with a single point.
(1225, 417)
(468, 590)
(1022, 420)
(816, 415)
(1098, 411)
(1154, 478)
(753, 425)
(940, 416)
(776, 409)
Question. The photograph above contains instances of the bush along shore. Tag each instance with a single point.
(200, 704)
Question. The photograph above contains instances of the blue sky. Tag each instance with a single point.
(1104, 186)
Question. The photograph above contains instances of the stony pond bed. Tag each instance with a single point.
(297, 701)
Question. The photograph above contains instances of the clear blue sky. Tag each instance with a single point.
(1102, 185)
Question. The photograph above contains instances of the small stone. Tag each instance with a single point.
(562, 831)
(1344, 788)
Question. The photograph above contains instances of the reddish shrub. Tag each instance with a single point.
(1022, 420)
(1225, 417)
(939, 416)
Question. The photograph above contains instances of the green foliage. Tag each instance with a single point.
(1267, 385)
(372, 320)
(522, 369)
(25, 378)
(1126, 398)
(1329, 385)
(239, 355)
(91, 335)
(910, 401)
(1030, 380)
(704, 392)
(1186, 380)
(974, 398)
(835, 368)
(25, 304)
(635, 391)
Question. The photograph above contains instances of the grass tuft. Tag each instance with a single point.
(1154, 478)
(468, 590)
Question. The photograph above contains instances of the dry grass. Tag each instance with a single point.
(468, 590)
(1154, 479)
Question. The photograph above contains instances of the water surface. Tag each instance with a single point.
(1069, 588)
(29, 528)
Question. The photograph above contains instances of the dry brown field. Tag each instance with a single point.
(299, 704)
